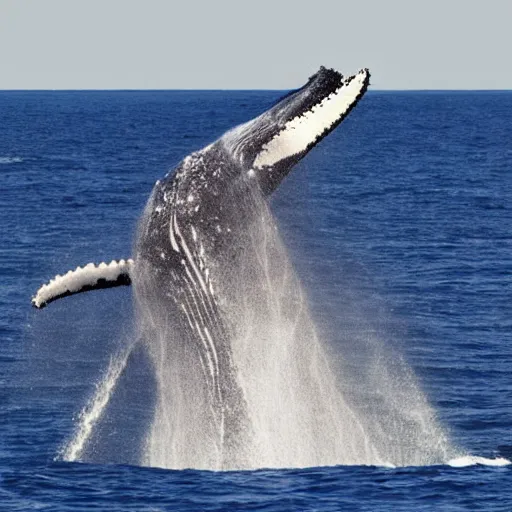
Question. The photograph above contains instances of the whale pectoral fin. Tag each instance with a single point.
(90, 277)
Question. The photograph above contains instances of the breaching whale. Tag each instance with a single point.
(194, 231)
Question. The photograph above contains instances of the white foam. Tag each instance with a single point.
(472, 460)
(305, 129)
(4, 160)
(75, 280)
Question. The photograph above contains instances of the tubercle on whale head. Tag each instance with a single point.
(268, 146)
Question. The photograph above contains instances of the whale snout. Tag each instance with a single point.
(271, 144)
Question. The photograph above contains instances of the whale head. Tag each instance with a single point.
(268, 146)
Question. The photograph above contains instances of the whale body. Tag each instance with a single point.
(191, 248)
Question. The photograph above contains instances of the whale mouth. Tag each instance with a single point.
(308, 115)
(276, 140)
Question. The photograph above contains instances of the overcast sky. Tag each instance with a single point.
(255, 44)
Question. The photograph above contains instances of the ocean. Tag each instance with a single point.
(398, 226)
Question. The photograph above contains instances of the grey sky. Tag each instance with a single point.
(125, 44)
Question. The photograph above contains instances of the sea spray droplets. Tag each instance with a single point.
(295, 414)
(94, 410)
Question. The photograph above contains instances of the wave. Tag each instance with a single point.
(6, 160)
(473, 460)
(463, 461)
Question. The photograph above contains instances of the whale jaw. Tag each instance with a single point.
(267, 147)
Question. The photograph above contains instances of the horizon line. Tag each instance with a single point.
(161, 89)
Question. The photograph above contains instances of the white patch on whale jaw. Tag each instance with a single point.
(301, 132)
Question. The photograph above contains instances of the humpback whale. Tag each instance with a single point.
(195, 231)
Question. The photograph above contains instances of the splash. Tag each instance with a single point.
(296, 409)
(94, 410)
(472, 460)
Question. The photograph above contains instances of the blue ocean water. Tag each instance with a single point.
(398, 223)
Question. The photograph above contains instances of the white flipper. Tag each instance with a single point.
(90, 277)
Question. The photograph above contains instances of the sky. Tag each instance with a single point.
(255, 44)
